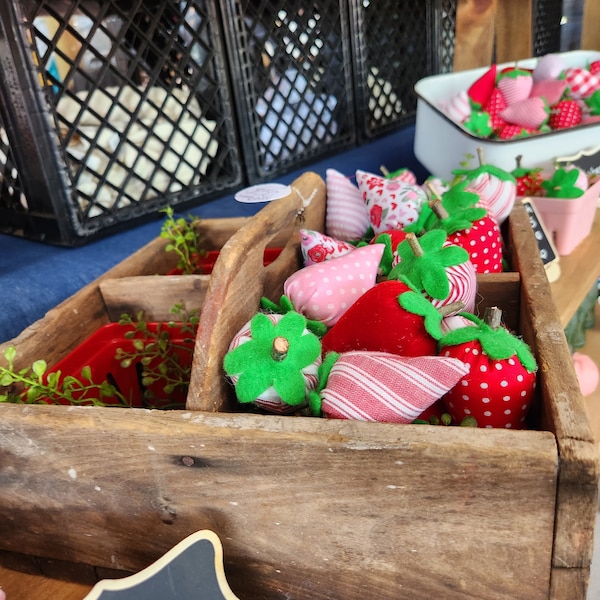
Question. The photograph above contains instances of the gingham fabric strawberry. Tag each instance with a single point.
(391, 204)
(381, 387)
(480, 90)
(515, 84)
(499, 388)
(324, 291)
(495, 187)
(565, 114)
(346, 217)
(594, 67)
(531, 112)
(317, 247)
(390, 317)
(273, 362)
(581, 82)
(440, 270)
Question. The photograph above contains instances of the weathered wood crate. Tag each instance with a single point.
(307, 507)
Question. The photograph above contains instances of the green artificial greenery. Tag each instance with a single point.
(184, 240)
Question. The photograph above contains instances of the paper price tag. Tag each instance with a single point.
(263, 192)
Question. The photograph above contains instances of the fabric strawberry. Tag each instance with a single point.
(494, 107)
(510, 131)
(458, 108)
(531, 112)
(529, 181)
(317, 247)
(495, 187)
(593, 104)
(499, 388)
(480, 123)
(552, 90)
(549, 67)
(480, 91)
(391, 204)
(391, 239)
(565, 114)
(402, 174)
(324, 291)
(390, 317)
(515, 84)
(382, 387)
(566, 182)
(440, 270)
(581, 82)
(273, 362)
(346, 217)
(594, 67)
(471, 228)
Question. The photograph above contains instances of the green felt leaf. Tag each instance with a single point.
(418, 305)
(257, 367)
(593, 103)
(479, 122)
(562, 184)
(385, 265)
(470, 174)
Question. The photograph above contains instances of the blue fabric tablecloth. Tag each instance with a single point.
(35, 277)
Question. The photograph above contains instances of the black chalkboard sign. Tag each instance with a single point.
(192, 570)
(587, 160)
(548, 252)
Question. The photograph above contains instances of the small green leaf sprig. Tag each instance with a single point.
(159, 355)
(37, 386)
(184, 240)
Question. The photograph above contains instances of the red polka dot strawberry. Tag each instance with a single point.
(469, 227)
(499, 388)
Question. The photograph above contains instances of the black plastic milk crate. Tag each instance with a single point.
(395, 45)
(109, 111)
(291, 67)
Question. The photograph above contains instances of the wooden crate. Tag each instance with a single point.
(306, 507)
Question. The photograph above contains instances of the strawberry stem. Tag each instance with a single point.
(493, 317)
(438, 209)
(480, 156)
(413, 242)
(280, 348)
(452, 307)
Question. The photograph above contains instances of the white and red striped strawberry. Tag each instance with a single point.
(499, 388)
(382, 387)
(565, 114)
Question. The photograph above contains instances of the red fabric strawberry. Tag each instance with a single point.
(511, 131)
(382, 387)
(494, 107)
(499, 388)
(481, 90)
(529, 181)
(565, 114)
(594, 67)
(389, 317)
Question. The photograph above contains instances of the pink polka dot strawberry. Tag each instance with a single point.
(499, 388)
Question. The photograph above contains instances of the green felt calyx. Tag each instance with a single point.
(456, 210)
(424, 260)
(274, 357)
(314, 397)
(285, 305)
(497, 342)
(562, 184)
(417, 304)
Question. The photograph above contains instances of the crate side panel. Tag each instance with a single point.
(136, 102)
(395, 511)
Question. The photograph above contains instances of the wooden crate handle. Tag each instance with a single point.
(239, 279)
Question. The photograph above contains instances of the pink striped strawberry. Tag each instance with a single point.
(382, 387)
(499, 388)
(565, 114)
(515, 84)
(530, 113)
(480, 91)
